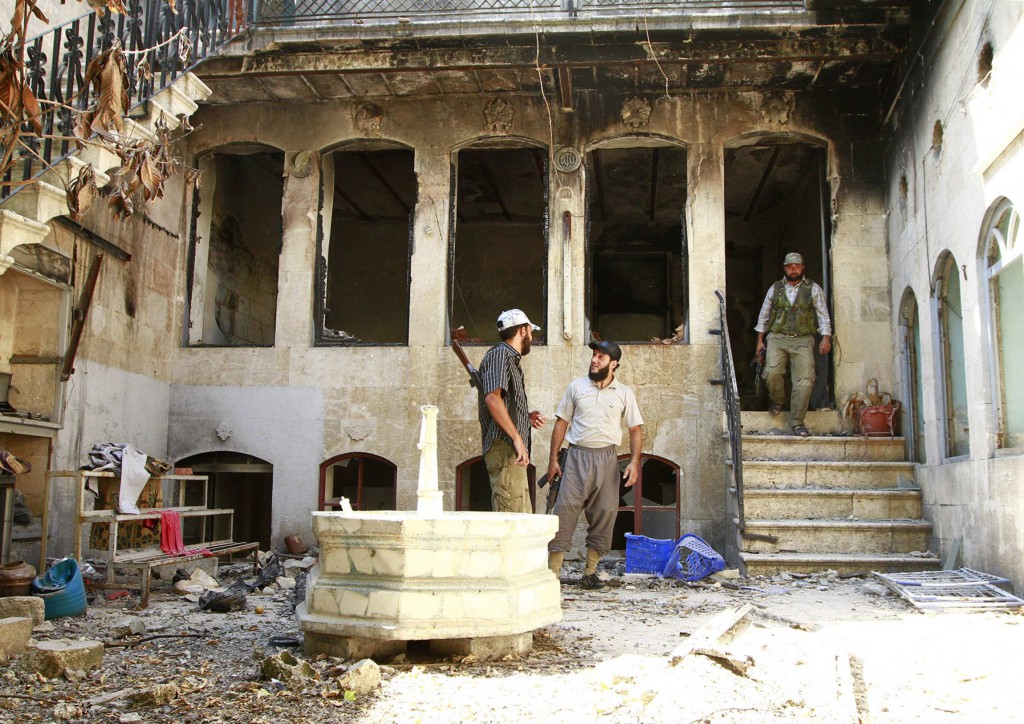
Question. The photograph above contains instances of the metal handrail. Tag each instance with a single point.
(285, 13)
(731, 398)
(152, 36)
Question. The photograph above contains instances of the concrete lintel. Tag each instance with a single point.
(569, 55)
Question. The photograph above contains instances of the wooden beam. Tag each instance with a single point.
(565, 87)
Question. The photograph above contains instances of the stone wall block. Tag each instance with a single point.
(15, 633)
(23, 606)
(52, 658)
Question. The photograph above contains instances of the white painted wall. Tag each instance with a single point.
(977, 497)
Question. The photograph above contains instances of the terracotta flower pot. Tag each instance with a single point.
(16, 578)
(879, 420)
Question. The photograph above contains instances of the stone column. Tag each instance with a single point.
(428, 311)
(705, 216)
(299, 209)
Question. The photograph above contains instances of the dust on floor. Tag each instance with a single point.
(811, 648)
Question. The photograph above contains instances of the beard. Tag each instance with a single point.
(599, 375)
(794, 277)
(527, 344)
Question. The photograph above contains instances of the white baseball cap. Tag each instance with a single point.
(514, 318)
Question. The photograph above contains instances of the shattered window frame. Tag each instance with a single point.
(466, 486)
(953, 361)
(325, 336)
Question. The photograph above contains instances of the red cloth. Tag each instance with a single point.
(170, 536)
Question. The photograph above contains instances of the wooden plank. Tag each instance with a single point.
(708, 635)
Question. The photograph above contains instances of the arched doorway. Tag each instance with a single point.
(910, 364)
(949, 310)
(370, 482)
(651, 507)
(473, 486)
(776, 202)
(238, 481)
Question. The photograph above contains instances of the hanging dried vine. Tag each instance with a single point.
(94, 115)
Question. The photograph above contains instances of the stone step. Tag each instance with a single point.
(827, 474)
(833, 536)
(848, 448)
(819, 422)
(836, 503)
(769, 564)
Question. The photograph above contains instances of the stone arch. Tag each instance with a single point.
(947, 296)
(369, 481)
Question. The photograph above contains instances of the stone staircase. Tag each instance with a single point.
(24, 214)
(848, 504)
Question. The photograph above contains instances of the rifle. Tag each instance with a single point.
(758, 365)
(556, 482)
(474, 376)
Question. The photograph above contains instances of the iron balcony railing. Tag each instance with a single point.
(272, 13)
(160, 46)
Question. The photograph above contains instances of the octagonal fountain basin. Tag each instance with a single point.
(467, 582)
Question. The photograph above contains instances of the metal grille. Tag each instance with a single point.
(150, 34)
(286, 12)
(946, 590)
(303, 12)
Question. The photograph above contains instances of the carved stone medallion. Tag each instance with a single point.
(636, 112)
(498, 115)
(367, 119)
(776, 109)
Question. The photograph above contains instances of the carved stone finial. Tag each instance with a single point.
(367, 119)
(636, 112)
(498, 114)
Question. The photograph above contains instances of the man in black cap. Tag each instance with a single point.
(590, 418)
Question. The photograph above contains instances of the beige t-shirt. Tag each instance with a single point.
(595, 415)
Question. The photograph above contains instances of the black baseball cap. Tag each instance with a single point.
(609, 348)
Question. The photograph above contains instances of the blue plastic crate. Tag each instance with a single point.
(647, 555)
(691, 559)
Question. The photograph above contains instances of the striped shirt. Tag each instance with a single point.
(500, 369)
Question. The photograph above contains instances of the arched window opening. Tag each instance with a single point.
(369, 200)
(236, 245)
(473, 486)
(1005, 274)
(498, 239)
(954, 367)
(636, 241)
(651, 507)
(368, 481)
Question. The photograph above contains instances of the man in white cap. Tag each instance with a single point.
(793, 310)
(505, 421)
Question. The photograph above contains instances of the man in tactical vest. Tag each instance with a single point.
(793, 310)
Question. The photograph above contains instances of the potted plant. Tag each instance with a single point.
(872, 413)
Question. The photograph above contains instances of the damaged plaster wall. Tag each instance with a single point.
(940, 188)
(282, 426)
(371, 395)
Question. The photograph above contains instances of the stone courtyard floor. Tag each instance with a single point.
(816, 648)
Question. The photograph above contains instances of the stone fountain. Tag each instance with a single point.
(472, 583)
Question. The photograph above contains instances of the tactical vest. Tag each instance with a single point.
(796, 318)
